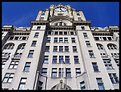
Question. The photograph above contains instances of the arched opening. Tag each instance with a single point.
(61, 86)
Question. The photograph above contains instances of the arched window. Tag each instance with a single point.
(9, 46)
(111, 46)
(60, 24)
(100, 46)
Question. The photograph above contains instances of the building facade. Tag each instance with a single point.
(60, 51)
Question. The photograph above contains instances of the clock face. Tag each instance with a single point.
(60, 9)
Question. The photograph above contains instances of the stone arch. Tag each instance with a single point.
(112, 46)
(9, 46)
(100, 46)
(61, 86)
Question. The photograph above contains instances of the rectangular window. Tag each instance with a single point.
(54, 73)
(76, 60)
(85, 35)
(27, 67)
(72, 33)
(60, 40)
(82, 27)
(16, 38)
(47, 48)
(49, 32)
(95, 67)
(113, 78)
(78, 71)
(56, 32)
(61, 72)
(108, 64)
(82, 85)
(13, 65)
(60, 48)
(44, 72)
(68, 72)
(45, 59)
(74, 48)
(91, 54)
(38, 28)
(33, 43)
(30, 55)
(73, 40)
(60, 33)
(36, 35)
(55, 48)
(67, 59)
(8, 77)
(65, 40)
(22, 84)
(87, 43)
(66, 48)
(54, 61)
(100, 84)
(55, 39)
(65, 33)
(48, 39)
(61, 60)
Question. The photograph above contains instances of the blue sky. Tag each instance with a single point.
(99, 13)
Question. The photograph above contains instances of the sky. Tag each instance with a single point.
(100, 14)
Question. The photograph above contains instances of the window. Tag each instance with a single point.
(100, 47)
(61, 72)
(54, 73)
(60, 48)
(104, 38)
(30, 55)
(100, 84)
(78, 71)
(61, 60)
(85, 35)
(67, 59)
(22, 84)
(8, 77)
(96, 38)
(72, 33)
(49, 32)
(44, 72)
(45, 59)
(74, 48)
(36, 35)
(108, 64)
(88, 43)
(16, 38)
(48, 39)
(82, 27)
(47, 49)
(117, 62)
(3, 63)
(56, 32)
(60, 33)
(113, 78)
(40, 85)
(54, 61)
(65, 40)
(91, 54)
(60, 40)
(33, 43)
(38, 28)
(76, 60)
(82, 85)
(112, 47)
(65, 33)
(27, 66)
(55, 48)
(68, 73)
(23, 38)
(66, 48)
(78, 14)
(55, 40)
(11, 38)
(13, 65)
(73, 40)
(95, 67)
